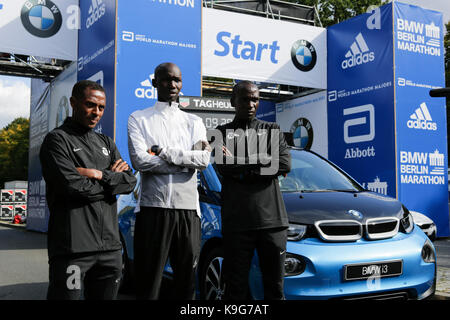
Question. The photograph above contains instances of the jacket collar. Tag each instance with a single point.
(75, 126)
(165, 107)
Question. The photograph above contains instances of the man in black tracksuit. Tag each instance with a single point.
(84, 172)
(253, 212)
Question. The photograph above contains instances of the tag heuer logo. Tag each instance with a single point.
(41, 18)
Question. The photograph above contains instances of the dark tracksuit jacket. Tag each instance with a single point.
(251, 201)
(83, 213)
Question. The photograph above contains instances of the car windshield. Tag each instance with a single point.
(310, 173)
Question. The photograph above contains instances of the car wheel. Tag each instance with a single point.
(211, 276)
(125, 279)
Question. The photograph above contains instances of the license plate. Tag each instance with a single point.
(373, 270)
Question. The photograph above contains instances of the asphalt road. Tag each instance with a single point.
(24, 264)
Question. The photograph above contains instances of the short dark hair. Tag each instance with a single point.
(80, 86)
(240, 85)
(163, 67)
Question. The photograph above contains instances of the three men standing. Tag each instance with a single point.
(84, 173)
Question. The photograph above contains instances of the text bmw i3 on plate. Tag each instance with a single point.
(344, 242)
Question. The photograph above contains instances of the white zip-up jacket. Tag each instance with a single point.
(170, 179)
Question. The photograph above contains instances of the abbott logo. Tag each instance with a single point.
(358, 122)
(96, 11)
(146, 91)
(128, 36)
(421, 119)
(358, 54)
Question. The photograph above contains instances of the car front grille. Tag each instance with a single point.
(352, 230)
(339, 230)
(382, 228)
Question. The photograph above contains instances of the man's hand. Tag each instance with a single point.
(202, 145)
(90, 173)
(120, 166)
(226, 152)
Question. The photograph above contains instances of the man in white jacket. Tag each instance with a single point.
(167, 146)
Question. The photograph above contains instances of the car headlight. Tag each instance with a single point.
(428, 252)
(407, 223)
(296, 232)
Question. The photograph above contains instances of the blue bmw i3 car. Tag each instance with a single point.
(344, 242)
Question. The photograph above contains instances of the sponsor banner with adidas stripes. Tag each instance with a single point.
(360, 98)
(150, 33)
(40, 28)
(421, 120)
(96, 52)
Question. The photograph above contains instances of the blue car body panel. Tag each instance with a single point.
(323, 277)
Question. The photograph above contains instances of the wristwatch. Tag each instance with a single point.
(155, 149)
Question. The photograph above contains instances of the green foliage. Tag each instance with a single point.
(14, 142)
(335, 11)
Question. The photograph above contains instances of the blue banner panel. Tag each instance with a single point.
(96, 53)
(150, 33)
(421, 120)
(266, 111)
(38, 214)
(360, 99)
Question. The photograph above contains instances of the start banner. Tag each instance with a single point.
(270, 51)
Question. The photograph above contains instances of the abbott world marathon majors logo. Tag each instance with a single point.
(422, 167)
(358, 54)
(97, 10)
(303, 55)
(41, 18)
(421, 119)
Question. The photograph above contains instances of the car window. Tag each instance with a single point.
(310, 173)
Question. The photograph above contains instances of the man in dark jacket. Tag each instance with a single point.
(84, 172)
(253, 212)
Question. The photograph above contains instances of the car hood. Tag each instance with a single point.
(309, 207)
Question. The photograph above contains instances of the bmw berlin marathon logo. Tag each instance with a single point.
(41, 18)
(303, 55)
(302, 133)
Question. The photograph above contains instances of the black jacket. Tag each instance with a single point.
(83, 212)
(251, 198)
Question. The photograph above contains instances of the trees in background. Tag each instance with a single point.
(14, 142)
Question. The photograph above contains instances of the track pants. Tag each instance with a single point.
(166, 233)
(239, 248)
(96, 274)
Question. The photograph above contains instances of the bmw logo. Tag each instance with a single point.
(41, 18)
(355, 214)
(302, 133)
(303, 55)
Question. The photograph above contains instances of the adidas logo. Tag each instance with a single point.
(421, 119)
(96, 11)
(358, 54)
(146, 91)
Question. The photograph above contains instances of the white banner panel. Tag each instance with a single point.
(40, 28)
(240, 46)
(306, 118)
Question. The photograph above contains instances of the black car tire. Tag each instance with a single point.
(211, 280)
